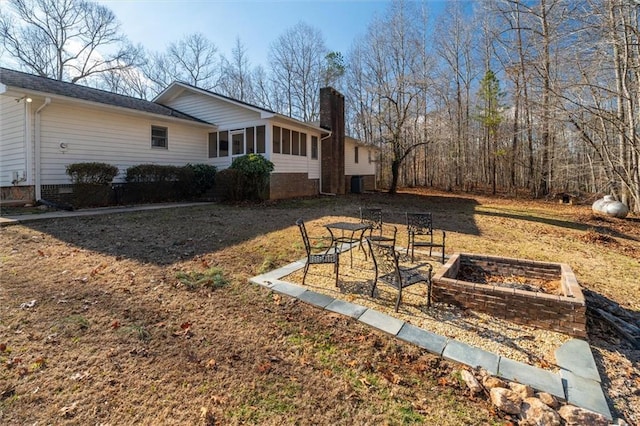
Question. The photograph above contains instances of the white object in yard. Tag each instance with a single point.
(27, 305)
(610, 207)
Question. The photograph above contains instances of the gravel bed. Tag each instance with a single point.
(518, 342)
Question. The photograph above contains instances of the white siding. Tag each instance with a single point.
(97, 135)
(224, 114)
(13, 156)
(314, 166)
(363, 167)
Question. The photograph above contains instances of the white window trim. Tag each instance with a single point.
(166, 129)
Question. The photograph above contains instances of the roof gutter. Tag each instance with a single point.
(38, 149)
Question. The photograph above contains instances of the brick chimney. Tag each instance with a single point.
(332, 148)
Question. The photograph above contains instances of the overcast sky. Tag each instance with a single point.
(258, 23)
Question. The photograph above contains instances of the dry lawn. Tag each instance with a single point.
(148, 317)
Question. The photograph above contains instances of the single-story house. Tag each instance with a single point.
(47, 124)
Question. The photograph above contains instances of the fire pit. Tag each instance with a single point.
(540, 294)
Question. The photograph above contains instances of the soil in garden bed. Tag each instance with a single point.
(477, 274)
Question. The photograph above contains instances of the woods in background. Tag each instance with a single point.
(500, 95)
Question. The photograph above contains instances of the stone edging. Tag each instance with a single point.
(578, 382)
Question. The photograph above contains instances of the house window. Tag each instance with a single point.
(223, 144)
(260, 140)
(237, 142)
(295, 143)
(286, 141)
(251, 143)
(303, 144)
(276, 140)
(369, 152)
(213, 145)
(356, 155)
(314, 147)
(159, 137)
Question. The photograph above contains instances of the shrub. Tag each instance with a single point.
(255, 171)
(154, 183)
(229, 185)
(90, 184)
(152, 173)
(92, 173)
(203, 178)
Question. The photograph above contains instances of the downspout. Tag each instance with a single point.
(320, 157)
(37, 149)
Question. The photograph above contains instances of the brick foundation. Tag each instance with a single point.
(17, 195)
(290, 185)
(564, 313)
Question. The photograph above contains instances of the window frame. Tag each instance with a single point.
(220, 140)
(243, 142)
(314, 147)
(155, 137)
(261, 139)
(276, 138)
(303, 144)
(213, 144)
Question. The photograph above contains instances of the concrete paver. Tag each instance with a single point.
(471, 356)
(432, 342)
(381, 321)
(575, 356)
(585, 393)
(529, 375)
(346, 308)
(317, 299)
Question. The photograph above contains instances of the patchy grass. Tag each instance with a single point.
(133, 326)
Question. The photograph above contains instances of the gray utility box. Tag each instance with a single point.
(357, 184)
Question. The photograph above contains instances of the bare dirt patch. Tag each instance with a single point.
(117, 319)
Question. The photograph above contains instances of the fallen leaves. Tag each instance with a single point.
(264, 367)
(185, 330)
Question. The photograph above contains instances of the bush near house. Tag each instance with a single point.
(91, 184)
(229, 185)
(254, 171)
(158, 183)
(92, 173)
(204, 178)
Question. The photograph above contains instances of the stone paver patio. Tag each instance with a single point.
(577, 382)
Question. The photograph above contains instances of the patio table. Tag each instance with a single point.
(350, 233)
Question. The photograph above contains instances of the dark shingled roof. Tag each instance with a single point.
(26, 81)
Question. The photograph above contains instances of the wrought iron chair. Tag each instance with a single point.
(389, 271)
(373, 218)
(318, 253)
(421, 233)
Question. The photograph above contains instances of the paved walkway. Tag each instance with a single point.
(578, 381)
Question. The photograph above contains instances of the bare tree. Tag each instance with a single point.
(193, 60)
(454, 45)
(297, 61)
(129, 82)
(68, 40)
(236, 77)
(394, 57)
(602, 101)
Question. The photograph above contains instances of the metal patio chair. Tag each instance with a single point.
(318, 251)
(372, 216)
(389, 271)
(421, 233)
